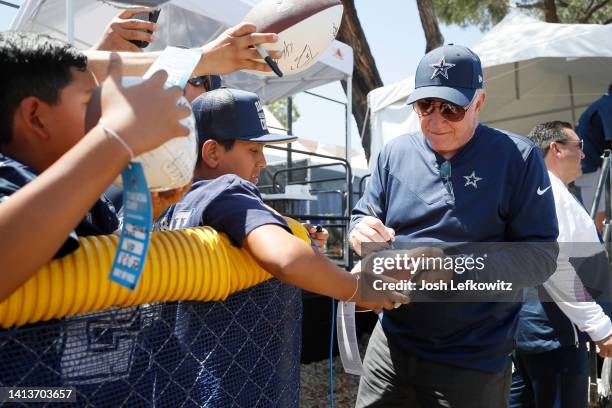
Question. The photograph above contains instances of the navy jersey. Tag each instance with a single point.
(228, 204)
(232, 205)
(501, 194)
(100, 220)
(595, 128)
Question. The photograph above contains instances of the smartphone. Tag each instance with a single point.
(152, 17)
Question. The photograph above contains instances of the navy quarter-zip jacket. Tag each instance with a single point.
(501, 194)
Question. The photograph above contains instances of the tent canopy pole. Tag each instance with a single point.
(70, 21)
(349, 114)
(572, 103)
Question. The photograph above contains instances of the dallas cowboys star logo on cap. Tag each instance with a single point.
(441, 68)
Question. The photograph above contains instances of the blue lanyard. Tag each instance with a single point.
(136, 231)
(137, 222)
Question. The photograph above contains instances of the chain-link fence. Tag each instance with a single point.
(243, 352)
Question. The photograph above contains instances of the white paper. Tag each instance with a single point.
(179, 63)
(347, 338)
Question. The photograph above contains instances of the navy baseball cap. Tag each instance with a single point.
(451, 72)
(229, 114)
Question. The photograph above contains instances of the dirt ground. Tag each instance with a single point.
(315, 383)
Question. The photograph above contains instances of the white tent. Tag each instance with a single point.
(359, 163)
(390, 117)
(182, 22)
(534, 72)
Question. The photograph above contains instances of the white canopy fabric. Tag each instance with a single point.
(534, 72)
(555, 73)
(358, 161)
(390, 116)
(187, 23)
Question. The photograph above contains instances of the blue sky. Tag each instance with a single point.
(7, 13)
(396, 39)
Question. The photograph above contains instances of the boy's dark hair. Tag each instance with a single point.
(227, 145)
(545, 133)
(32, 65)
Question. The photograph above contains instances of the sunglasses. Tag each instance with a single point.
(579, 142)
(448, 110)
(201, 80)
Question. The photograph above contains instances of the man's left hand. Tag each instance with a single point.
(423, 271)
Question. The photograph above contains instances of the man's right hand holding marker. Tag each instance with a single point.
(370, 230)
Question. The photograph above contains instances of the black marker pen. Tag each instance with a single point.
(271, 63)
(373, 214)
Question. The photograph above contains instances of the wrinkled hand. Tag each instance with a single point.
(232, 51)
(145, 115)
(124, 28)
(370, 229)
(430, 273)
(605, 347)
(319, 237)
(367, 298)
(162, 200)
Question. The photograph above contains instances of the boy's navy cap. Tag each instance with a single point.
(451, 72)
(228, 114)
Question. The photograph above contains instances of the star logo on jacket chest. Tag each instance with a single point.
(441, 68)
(472, 179)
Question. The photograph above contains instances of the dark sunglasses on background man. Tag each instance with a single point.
(210, 82)
(566, 141)
(448, 110)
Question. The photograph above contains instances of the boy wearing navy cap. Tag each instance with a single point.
(232, 133)
(454, 181)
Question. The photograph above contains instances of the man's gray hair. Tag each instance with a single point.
(545, 133)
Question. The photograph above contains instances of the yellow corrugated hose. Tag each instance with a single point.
(191, 264)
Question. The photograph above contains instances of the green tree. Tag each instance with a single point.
(486, 13)
(429, 22)
(279, 110)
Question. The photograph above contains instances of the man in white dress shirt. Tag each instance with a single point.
(551, 365)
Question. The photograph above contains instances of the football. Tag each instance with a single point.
(170, 165)
(305, 29)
